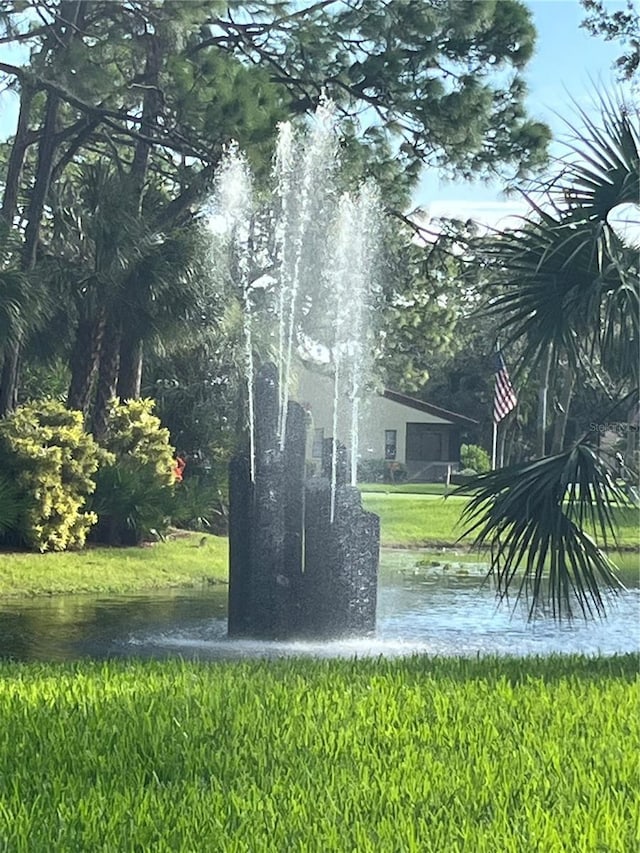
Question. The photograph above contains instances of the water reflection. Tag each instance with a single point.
(71, 627)
(431, 610)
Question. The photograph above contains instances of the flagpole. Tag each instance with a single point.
(494, 446)
(494, 440)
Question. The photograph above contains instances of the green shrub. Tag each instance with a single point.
(371, 471)
(134, 490)
(199, 504)
(130, 504)
(12, 505)
(51, 461)
(475, 458)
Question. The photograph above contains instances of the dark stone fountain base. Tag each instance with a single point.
(293, 571)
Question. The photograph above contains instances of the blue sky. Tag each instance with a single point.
(567, 63)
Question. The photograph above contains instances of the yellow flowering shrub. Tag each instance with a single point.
(52, 461)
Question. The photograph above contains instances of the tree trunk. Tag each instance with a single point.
(107, 376)
(561, 414)
(127, 356)
(130, 374)
(151, 104)
(11, 355)
(46, 150)
(70, 20)
(11, 360)
(85, 359)
(71, 15)
(16, 158)
(9, 379)
(11, 364)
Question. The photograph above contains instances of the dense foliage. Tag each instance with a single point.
(11, 507)
(58, 482)
(201, 501)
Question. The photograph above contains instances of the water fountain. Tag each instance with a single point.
(303, 553)
(294, 570)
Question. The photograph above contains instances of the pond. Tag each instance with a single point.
(439, 609)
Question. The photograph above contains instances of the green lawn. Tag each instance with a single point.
(416, 519)
(405, 488)
(180, 561)
(416, 755)
(426, 519)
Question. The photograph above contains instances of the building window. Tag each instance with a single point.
(390, 443)
(318, 441)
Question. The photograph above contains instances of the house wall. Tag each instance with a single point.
(385, 415)
(377, 415)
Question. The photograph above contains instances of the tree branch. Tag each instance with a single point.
(109, 117)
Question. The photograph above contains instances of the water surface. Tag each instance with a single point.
(428, 609)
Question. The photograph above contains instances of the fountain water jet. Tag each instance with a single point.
(304, 178)
(303, 555)
(234, 209)
(353, 261)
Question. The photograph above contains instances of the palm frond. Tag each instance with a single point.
(605, 170)
(551, 290)
(535, 517)
(24, 303)
(569, 281)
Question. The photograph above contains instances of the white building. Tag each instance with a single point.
(391, 426)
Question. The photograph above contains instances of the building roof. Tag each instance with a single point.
(421, 406)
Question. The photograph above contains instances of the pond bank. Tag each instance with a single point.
(182, 560)
(186, 560)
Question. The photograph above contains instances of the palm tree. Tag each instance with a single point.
(569, 292)
(128, 280)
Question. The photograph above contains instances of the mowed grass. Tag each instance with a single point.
(406, 488)
(417, 519)
(423, 519)
(420, 754)
(186, 560)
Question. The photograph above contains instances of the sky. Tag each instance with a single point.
(568, 61)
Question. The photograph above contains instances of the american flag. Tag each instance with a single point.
(504, 398)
